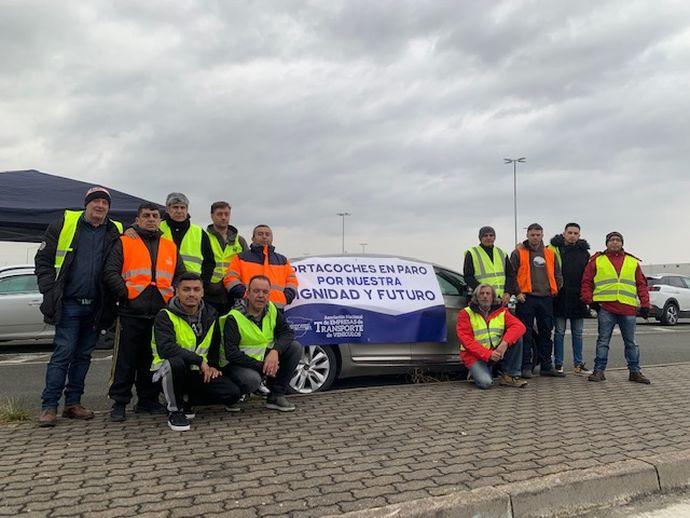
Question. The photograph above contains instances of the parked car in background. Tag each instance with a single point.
(670, 297)
(21, 320)
(321, 365)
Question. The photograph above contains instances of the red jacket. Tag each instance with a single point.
(474, 350)
(615, 307)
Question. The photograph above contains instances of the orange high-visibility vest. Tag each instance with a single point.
(137, 267)
(524, 273)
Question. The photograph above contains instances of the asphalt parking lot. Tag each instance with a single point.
(22, 369)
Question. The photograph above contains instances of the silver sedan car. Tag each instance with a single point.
(20, 317)
(321, 365)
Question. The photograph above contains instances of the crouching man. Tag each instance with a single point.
(183, 335)
(488, 333)
(257, 341)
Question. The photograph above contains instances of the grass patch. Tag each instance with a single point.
(11, 411)
(419, 375)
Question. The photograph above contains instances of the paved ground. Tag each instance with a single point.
(341, 451)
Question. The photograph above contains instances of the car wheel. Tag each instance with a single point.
(316, 370)
(669, 316)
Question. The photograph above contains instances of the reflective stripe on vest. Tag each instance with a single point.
(137, 267)
(557, 252)
(609, 286)
(489, 335)
(488, 271)
(190, 247)
(223, 256)
(185, 338)
(253, 341)
(67, 233)
(524, 273)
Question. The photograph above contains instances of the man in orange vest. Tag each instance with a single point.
(539, 279)
(140, 272)
(262, 259)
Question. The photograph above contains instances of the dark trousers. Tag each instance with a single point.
(132, 359)
(75, 339)
(541, 310)
(179, 380)
(249, 380)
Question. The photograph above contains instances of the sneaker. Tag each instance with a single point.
(117, 413)
(597, 376)
(559, 368)
(509, 381)
(580, 368)
(150, 407)
(552, 373)
(188, 410)
(48, 418)
(263, 390)
(279, 403)
(235, 407)
(178, 422)
(527, 373)
(638, 377)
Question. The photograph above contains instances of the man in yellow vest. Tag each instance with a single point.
(191, 240)
(488, 264)
(185, 333)
(69, 266)
(140, 272)
(539, 279)
(489, 337)
(257, 340)
(226, 243)
(611, 283)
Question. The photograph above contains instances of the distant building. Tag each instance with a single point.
(679, 268)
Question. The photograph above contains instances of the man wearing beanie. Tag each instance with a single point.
(611, 284)
(69, 264)
(488, 264)
(191, 240)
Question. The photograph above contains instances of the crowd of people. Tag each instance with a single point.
(199, 312)
(552, 284)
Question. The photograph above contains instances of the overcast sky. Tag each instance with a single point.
(398, 112)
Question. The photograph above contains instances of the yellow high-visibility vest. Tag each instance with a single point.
(609, 286)
(253, 341)
(487, 271)
(66, 238)
(223, 256)
(190, 247)
(185, 338)
(489, 335)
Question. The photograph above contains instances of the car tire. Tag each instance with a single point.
(316, 371)
(669, 315)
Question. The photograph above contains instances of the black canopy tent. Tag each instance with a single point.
(30, 200)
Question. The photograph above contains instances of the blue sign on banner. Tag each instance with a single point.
(366, 300)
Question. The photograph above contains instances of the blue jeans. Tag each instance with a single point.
(626, 323)
(576, 327)
(75, 340)
(510, 365)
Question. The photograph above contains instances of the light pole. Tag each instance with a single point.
(364, 248)
(515, 161)
(342, 215)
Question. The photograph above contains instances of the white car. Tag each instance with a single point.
(20, 316)
(669, 295)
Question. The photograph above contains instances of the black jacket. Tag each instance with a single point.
(52, 288)
(283, 337)
(164, 332)
(178, 231)
(150, 301)
(216, 293)
(574, 259)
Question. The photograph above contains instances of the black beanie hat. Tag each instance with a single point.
(94, 193)
(486, 230)
(614, 233)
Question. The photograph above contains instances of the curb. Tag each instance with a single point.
(560, 494)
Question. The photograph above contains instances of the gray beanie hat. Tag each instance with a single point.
(176, 197)
(486, 230)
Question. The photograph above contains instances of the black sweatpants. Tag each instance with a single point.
(178, 379)
(132, 359)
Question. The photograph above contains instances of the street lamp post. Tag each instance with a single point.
(342, 215)
(364, 248)
(515, 161)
